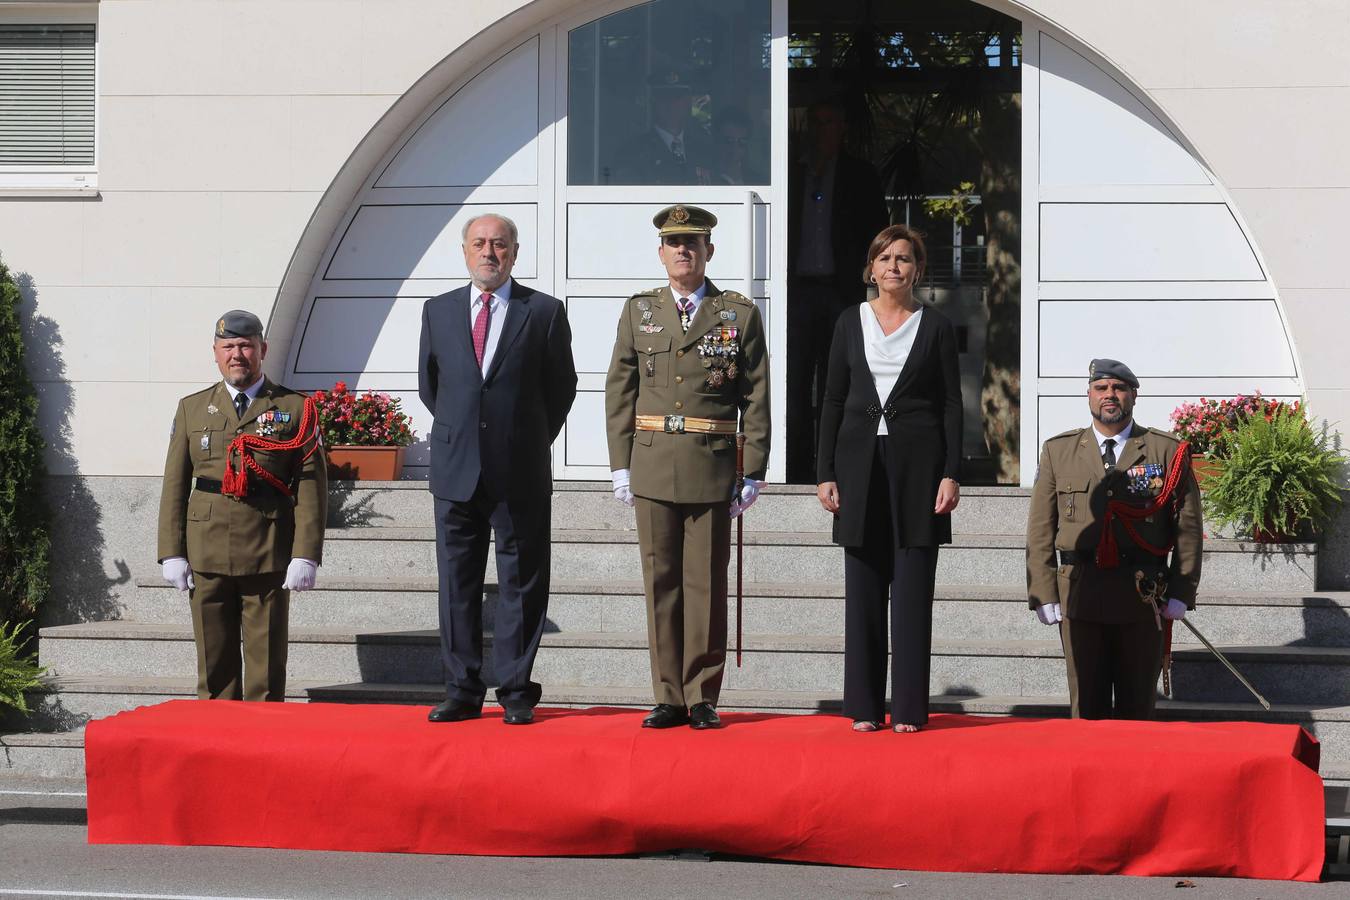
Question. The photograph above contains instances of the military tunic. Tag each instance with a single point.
(239, 548)
(1112, 645)
(683, 483)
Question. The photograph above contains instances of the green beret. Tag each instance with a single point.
(238, 323)
(1112, 368)
(681, 219)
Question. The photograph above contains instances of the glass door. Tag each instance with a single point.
(664, 102)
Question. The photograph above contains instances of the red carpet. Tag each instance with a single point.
(968, 794)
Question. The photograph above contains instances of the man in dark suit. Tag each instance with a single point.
(836, 205)
(495, 369)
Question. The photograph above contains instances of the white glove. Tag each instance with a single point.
(749, 494)
(1049, 613)
(1174, 610)
(300, 574)
(178, 573)
(622, 492)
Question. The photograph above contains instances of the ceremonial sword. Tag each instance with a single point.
(740, 536)
(1153, 595)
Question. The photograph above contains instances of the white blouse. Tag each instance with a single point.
(886, 353)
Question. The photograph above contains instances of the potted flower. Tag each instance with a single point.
(1205, 423)
(1280, 478)
(365, 433)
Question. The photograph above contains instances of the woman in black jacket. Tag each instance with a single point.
(890, 444)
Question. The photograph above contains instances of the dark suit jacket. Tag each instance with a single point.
(923, 418)
(858, 212)
(498, 428)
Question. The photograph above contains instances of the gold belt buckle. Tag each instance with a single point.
(674, 424)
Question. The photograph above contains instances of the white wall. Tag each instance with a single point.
(216, 152)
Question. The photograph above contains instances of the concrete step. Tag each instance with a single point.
(1301, 675)
(975, 559)
(970, 611)
(590, 505)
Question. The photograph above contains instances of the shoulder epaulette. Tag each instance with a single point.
(1072, 432)
(205, 390)
(1167, 434)
(737, 297)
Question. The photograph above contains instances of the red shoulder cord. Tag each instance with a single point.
(1108, 553)
(235, 482)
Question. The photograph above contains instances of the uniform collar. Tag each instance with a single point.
(252, 391)
(1120, 439)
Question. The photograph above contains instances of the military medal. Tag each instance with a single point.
(206, 441)
(651, 328)
(651, 367)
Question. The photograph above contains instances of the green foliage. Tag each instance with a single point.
(1279, 475)
(25, 545)
(19, 672)
(957, 207)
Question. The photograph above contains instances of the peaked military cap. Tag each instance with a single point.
(681, 219)
(1111, 368)
(238, 323)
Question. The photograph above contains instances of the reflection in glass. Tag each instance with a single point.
(671, 92)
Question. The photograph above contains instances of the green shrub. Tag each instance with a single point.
(19, 672)
(1279, 476)
(25, 544)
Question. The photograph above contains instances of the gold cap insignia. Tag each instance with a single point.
(678, 216)
(1092, 370)
(220, 328)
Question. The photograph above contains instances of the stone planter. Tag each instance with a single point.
(1204, 468)
(349, 463)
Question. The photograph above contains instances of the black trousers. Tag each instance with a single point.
(878, 575)
(462, 536)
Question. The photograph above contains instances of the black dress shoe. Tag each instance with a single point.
(703, 716)
(666, 715)
(522, 715)
(453, 711)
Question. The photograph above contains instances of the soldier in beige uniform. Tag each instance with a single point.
(1113, 642)
(689, 360)
(241, 514)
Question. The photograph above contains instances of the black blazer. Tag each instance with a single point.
(496, 428)
(923, 418)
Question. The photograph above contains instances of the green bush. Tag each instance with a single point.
(25, 544)
(19, 672)
(1280, 476)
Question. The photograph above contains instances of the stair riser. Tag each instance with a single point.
(42, 762)
(811, 564)
(595, 510)
(952, 620)
(1194, 677)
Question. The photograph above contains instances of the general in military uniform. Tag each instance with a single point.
(689, 360)
(241, 514)
(1110, 502)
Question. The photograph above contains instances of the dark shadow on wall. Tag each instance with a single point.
(82, 590)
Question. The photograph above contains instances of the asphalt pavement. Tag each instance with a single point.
(44, 854)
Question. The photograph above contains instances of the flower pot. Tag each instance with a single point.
(349, 463)
(1205, 468)
(1271, 535)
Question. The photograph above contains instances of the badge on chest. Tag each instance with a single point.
(718, 352)
(272, 422)
(1145, 480)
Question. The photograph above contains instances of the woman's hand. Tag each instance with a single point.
(948, 495)
(827, 492)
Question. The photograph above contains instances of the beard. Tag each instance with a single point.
(1112, 418)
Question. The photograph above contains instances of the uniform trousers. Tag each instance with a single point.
(685, 549)
(1113, 669)
(228, 610)
(876, 572)
(463, 531)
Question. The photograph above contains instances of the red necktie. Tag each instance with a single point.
(480, 328)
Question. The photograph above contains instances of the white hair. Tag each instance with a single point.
(510, 226)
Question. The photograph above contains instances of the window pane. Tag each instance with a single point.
(671, 92)
(46, 95)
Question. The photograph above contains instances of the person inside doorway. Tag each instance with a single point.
(835, 205)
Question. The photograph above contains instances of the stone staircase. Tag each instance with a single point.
(368, 634)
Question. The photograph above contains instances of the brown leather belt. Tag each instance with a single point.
(685, 424)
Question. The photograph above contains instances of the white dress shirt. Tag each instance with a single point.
(501, 299)
(696, 297)
(1120, 439)
(251, 391)
(886, 353)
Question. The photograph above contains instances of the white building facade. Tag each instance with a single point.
(314, 162)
